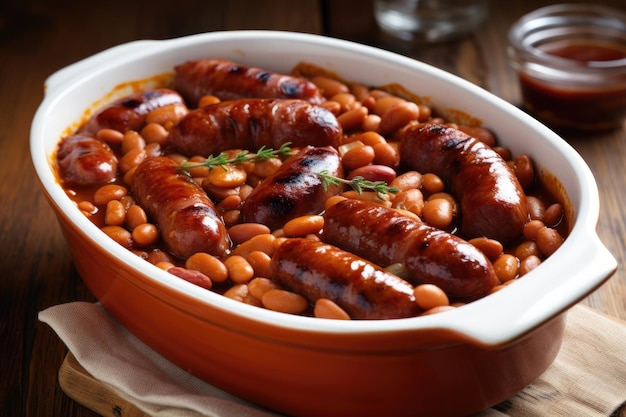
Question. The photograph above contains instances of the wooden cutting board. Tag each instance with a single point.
(588, 378)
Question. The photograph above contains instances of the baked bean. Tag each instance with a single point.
(360, 91)
(346, 100)
(385, 103)
(284, 301)
(506, 267)
(371, 122)
(115, 213)
(328, 309)
(263, 243)
(332, 106)
(231, 202)
(242, 232)
(132, 140)
(193, 277)
(131, 160)
(228, 176)
(371, 196)
(432, 183)
(333, 200)
(429, 296)
(164, 265)
(438, 212)
(266, 168)
(231, 217)
(145, 234)
(407, 180)
(536, 207)
(480, 133)
(528, 264)
(153, 149)
(154, 133)
(208, 100)
(209, 265)
(505, 153)
(490, 247)
(531, 228)
(238, 292)
(87, 207)
(386, 154)
(553, 215)
(110, 136)
(524, 171)
(369, 138)
(167, 115)
(219, 193)
(259, 286)
(303, 225)
(353, 118)
(239, 270)
(425, 113)
(374, 173)
(260, 262)
(548, 240)
(119, 235)
(156, 255)
(329, 86)
(398, 116)
(527, 248)
(244, 191)
(127, 201)
(109, 192)
(358, 156)
(411, 200)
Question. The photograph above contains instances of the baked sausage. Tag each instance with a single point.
(186, 217)
(252, 123)
(492, 201)
(318, 270)
(84, 160)
(129, 113)
(295, 189)
(386, 236)
(228, 80)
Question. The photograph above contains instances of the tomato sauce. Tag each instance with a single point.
(598, 105)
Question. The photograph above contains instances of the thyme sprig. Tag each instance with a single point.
(358, 184)
(223, 159)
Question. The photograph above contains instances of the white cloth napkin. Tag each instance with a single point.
(588, 379)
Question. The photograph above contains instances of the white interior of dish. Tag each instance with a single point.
(576, 269)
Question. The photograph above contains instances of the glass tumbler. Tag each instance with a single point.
(426, 21)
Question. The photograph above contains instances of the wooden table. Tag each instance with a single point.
(37, 38)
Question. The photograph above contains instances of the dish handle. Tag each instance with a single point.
(57, 80)
(590, 265)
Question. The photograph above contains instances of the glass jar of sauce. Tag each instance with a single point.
(571, 62)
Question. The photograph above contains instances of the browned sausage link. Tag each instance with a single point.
(365, 291)
(252, 123)
(129, 113)
(228, 80)
(492, 201)
(84, 160)
(295, 189)
(386, 236)
(185, 215)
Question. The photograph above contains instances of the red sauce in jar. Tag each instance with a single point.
(594, 106)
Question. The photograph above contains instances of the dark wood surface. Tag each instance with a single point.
(38, 37)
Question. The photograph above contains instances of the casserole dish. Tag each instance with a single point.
(454, 363)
